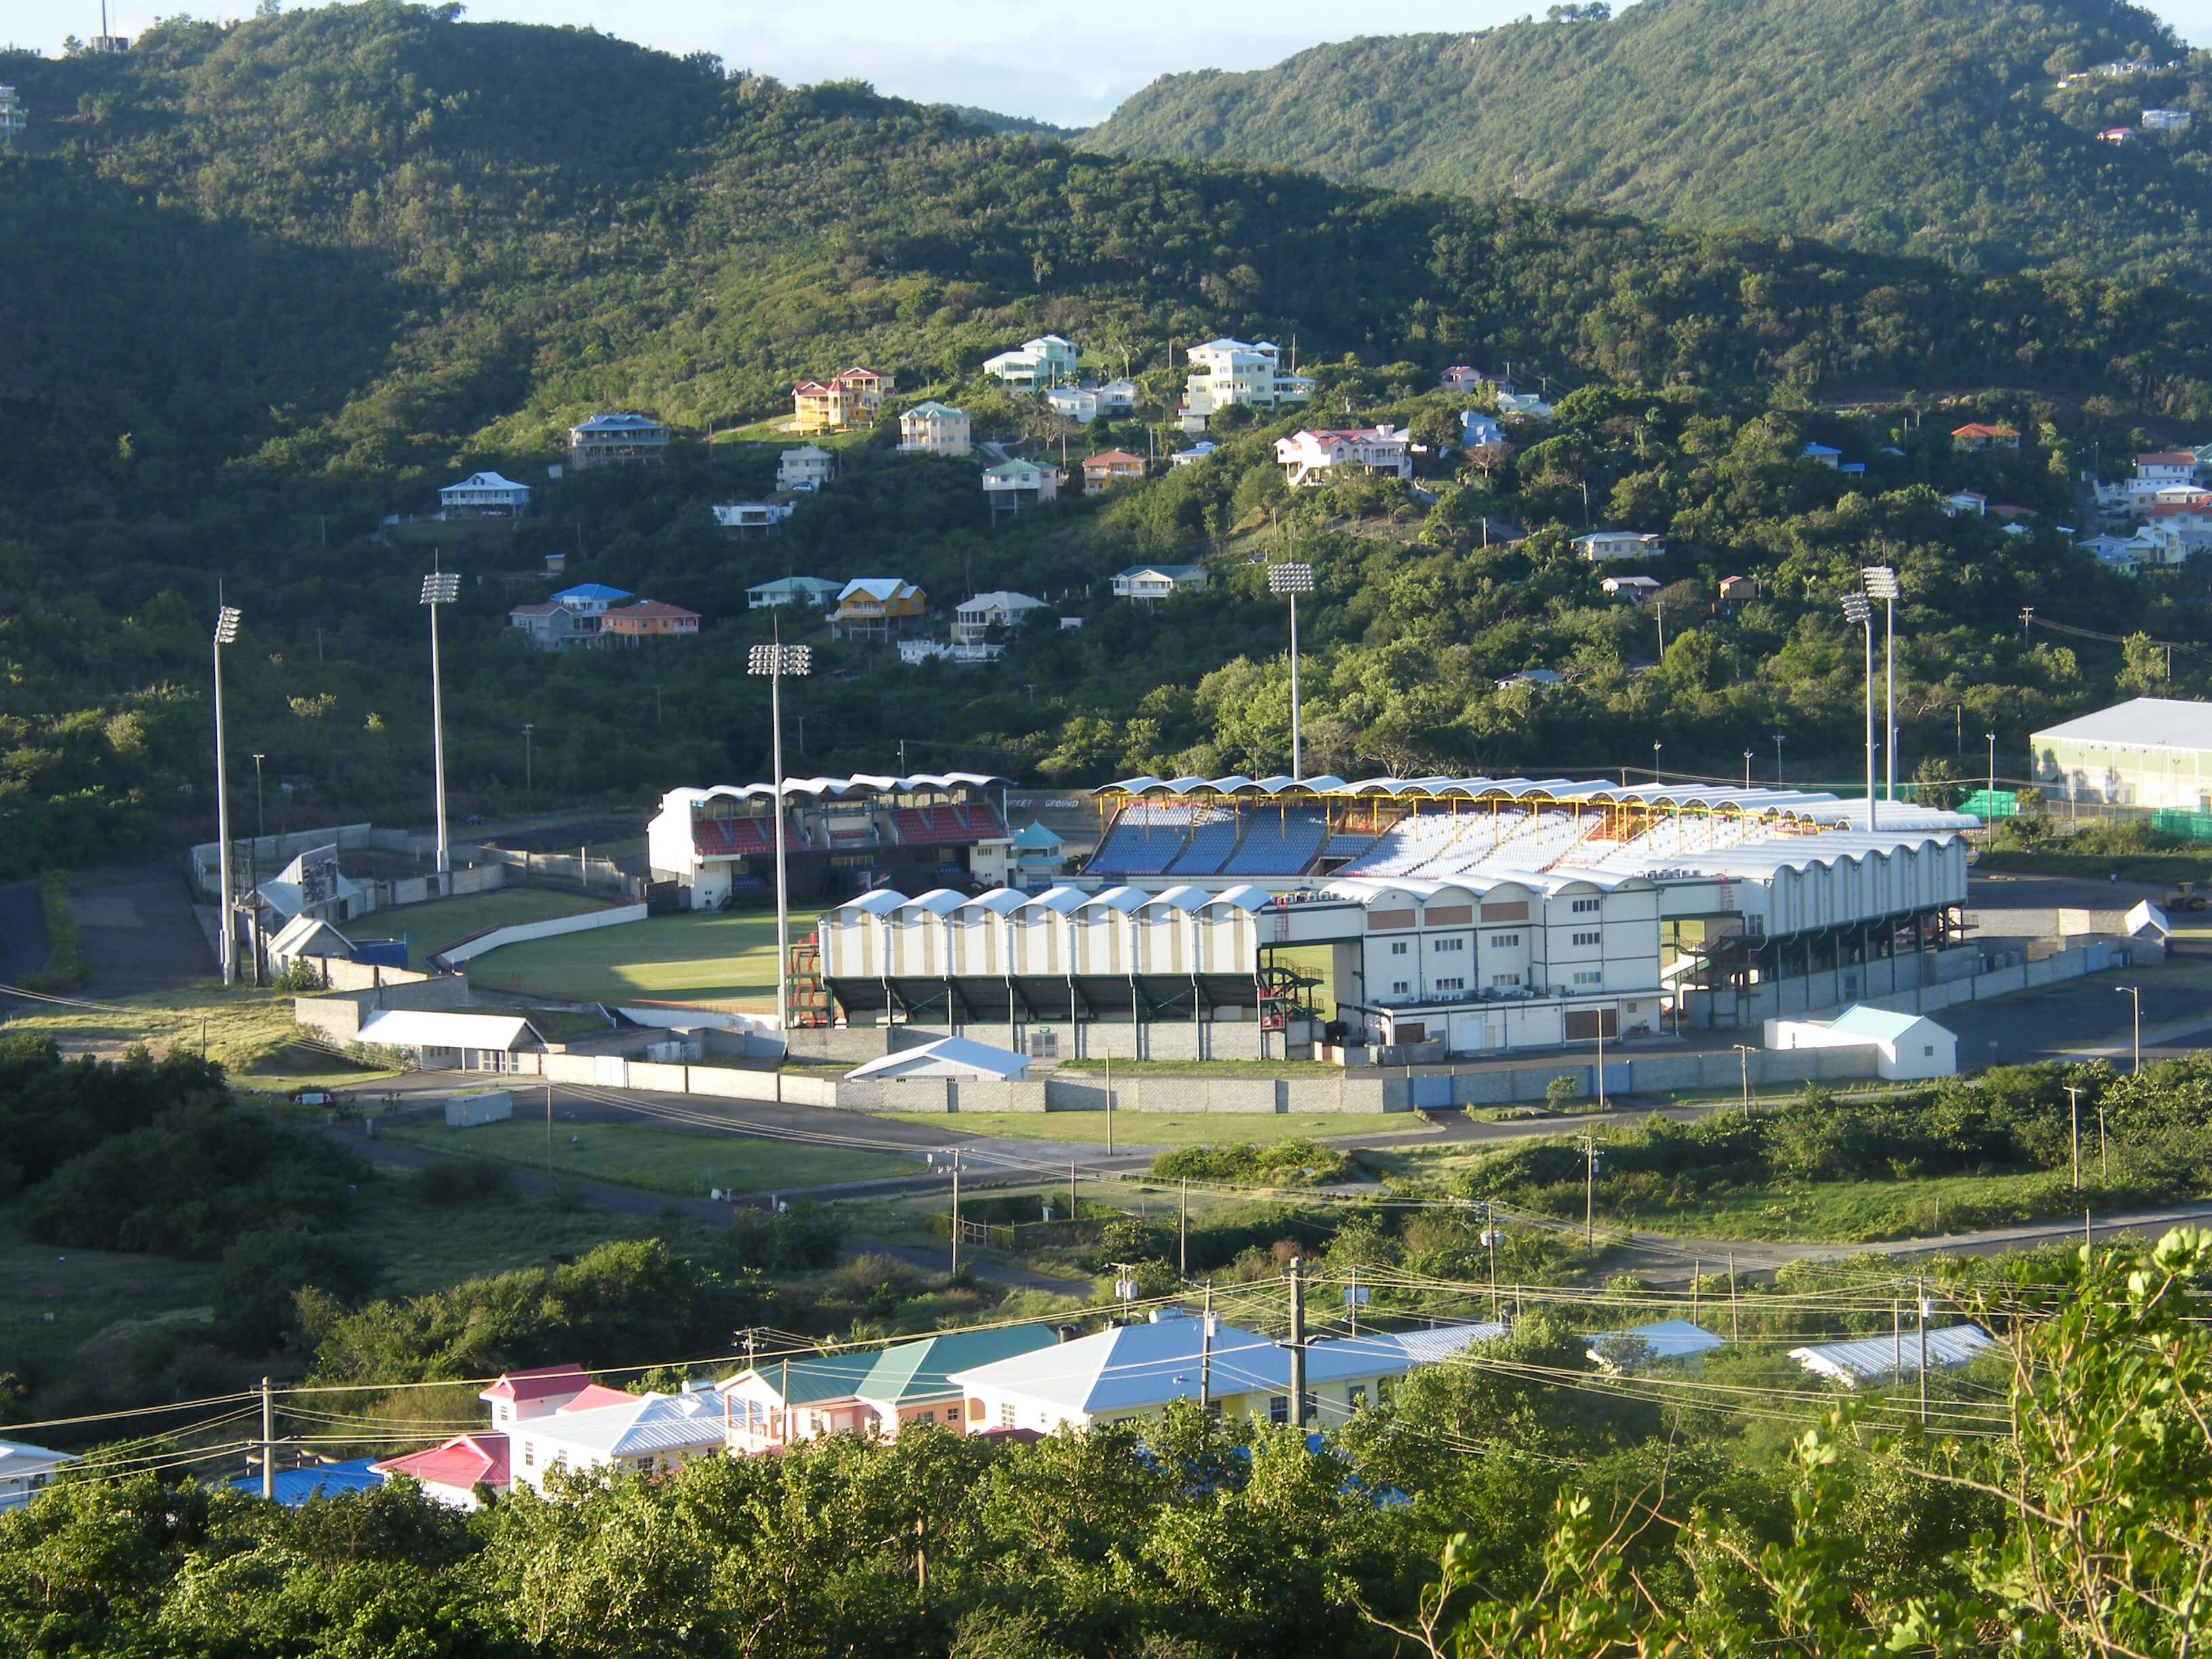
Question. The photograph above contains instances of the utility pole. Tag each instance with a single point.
(2104, 1150)
(1351, 1301)
(1743, 1053)
(267, 1442)
(1182, 1232)
(1298, 1345)
(1733, 1334)
(1777, 758)
(1109, 1105)
(1205, 1349)
(2135, 991)
(1489, 1242)
(527, 728)
(549, 1127)
(1589, 1189)
(1071, 1189)
(2074, 1106)
(956, 1212)
(1921, 1288)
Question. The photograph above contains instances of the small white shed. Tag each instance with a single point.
(477, 1106)
(1909, 1048)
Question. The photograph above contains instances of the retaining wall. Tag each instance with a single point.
(515, 933)
(1919, 983)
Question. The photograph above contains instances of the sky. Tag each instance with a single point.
(1069, 70)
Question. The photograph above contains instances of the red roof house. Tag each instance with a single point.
(452, 1473)
(518, 1396)
(649, 619)
(1976, 436)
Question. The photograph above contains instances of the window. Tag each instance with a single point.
(1006, 1415)
(1589, 938)
(1592, 977)
(1455, 984)
(1930, 1049)
(1398, 947)
(1214, 1410)
(1586, 906)
(1505, 941)
(1356, 1395)
(1278, 1409)
(1446, 946)
(1307, 1403)
(529, 1454)
(1399, 988)
(1501, 981)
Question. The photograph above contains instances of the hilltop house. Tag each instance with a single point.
(743, 516)
(1191, 457)
(606, 1429)
(1046, 361)
(1012, 485)
(623, 439)
(15, 119)
(2167, 120)
(1970, 502)
(1152, 582)
(1110, 467)
(1975, 435)
(25, 1470)
(1079, 403)
(483, 496)
(934, 428)
(1311, 458)
(550, 626)
(649, 619)
(1599, 546)
(842, 401)
(1823, 455)
(1229, 373)
(1464, 378)
(770, 1406)
(1479, 431)
(813, 591)
(974, 618)
(876, 610)
(1527, 404)
(1636, 590)
(805, 469)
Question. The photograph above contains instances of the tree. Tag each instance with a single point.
(1936, 783)
(2144, 664)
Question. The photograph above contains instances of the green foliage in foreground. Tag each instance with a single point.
(2061, 1496)
(1293, 1162)
(1929, 127)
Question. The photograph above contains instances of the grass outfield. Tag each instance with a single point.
(725, 960)
(656, 1160)
(1167, 1129)
(431, 927)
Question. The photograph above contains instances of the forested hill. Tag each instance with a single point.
(348, 245)
(1932, 126)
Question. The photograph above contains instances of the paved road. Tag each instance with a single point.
(138, 930)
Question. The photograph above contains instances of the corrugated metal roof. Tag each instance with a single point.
(951, 1056)
(1878, 1025)
(417, 1028)
(653, 1422)
(918, 1370)
(1871, 1357)
(2139, 723)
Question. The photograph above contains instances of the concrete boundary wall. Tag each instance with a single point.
(339, 974)
(516, 932)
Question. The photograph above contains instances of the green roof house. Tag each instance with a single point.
(879, 1391)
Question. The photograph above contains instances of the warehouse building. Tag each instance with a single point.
(2148, 752)
(1456, 916)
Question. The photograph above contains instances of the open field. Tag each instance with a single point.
(1165, 1129)
(431, 927)
(251, 1032)
(656, 1160)
(727, 960)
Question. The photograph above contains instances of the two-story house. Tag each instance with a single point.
(1110, 467)
(1312, 458)
(934, 428)
(813, 591)
(623, 439)
(876, 610)
(1154, 582)
(974, 618)
(1044, 361)
(1012, 485)
(483, 496)
(1229, 373)
(1599, 546)
(747, 516)
(843, 401)
(649, 619)
(806, 470)
(549, 626)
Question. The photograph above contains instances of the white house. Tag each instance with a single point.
(1601, 546)
(440, 1042)
(1012, 485)
(483, 496)
(625, 439)
(25, 1471)
(806, 469)
(2167, 120)
(1079, 403)
(1131, 1372)
(1965, 502)
(1463, 377)
(1000, 608)
(1634, 589)
(742, 516)
(1043, 362)
(879, 1393)
(1159, 581)
(2168, 466)
(1311, 458)
(1661, 1341)
(1899, 1355)
(934, 428)
(450, 1473)
(1117, 397)
(813, 591)
(592, 600)
(1526, 404)
(1229, 373)
(1543, 679)
(606, 1430)
(1197, 453)
(1908, 1048)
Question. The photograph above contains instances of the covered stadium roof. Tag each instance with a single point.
(860, 783)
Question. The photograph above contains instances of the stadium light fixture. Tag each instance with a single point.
(1291, 580)
(1859, 609)
(774, 661)
(226, 633)
(1881, 584)
(440, 587)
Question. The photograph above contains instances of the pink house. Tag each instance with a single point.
(452, 1473)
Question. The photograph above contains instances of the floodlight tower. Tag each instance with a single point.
(1293, 580)
(1881, 584)
(776, 661)
(1858, 609)
(440, 587)
(226, 633)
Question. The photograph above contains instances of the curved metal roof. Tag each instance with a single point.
(860, 783)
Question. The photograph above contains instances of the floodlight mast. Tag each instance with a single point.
(440, 587)
(1881, 584)
(1293, 580)
(226, 632)
(1857, 609)
(776, 660)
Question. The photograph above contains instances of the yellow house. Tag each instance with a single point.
(842, 401)
(877, 609)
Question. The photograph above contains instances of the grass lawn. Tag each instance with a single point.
(250, 1032)
(431, 927)
(725, 960)
(657, 1160)
(1163, 1128)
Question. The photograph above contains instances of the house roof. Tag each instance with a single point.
(1013, 469)
(2168, 458)
(493, 480)
(809, 1382)
(645, 609)
(2143, 722)
(1870, 1357)
(624, 422)
(952, 1056)
(1667, 1338)
(798, 585)
(1172, 572)
(1034, 835)
(878, 588)
(538, 1383)
(537, 608)
(309, 936)
(1821, 449)
(1977, 429)
(18, 1458)
(1002, 599)
(642, 1423)
(594, 591)
(1877, 1025)
(1114, 456)
(932, 407)
(807, 452)
(421, 1028)
(592, 1396)
(922, 1370)
(293, 1488)
(460, 1464)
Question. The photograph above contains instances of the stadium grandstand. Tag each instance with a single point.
(842, 836)
(1477, 914)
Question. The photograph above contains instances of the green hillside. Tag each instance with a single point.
(271, 283)
(1931, 126)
